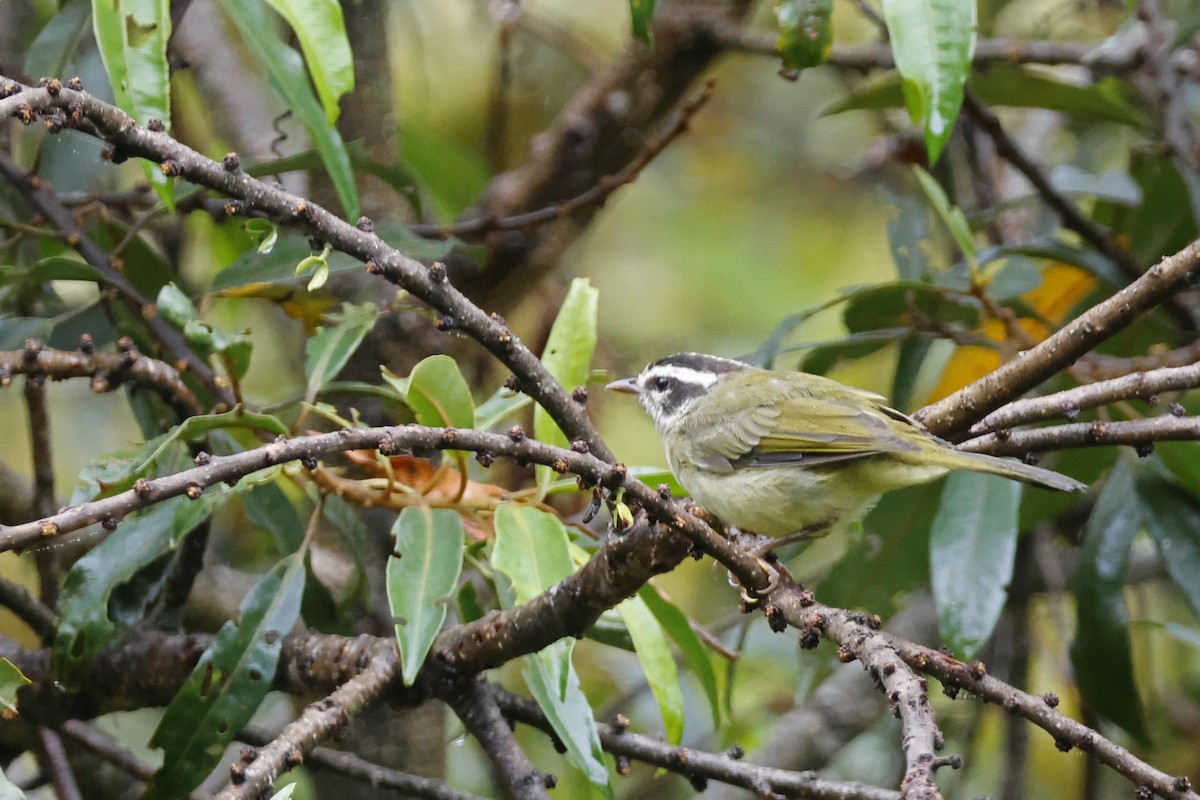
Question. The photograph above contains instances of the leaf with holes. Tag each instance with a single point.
(421, 576)
(87, 624)
(805, 32)
(228, 684)
(11, 680)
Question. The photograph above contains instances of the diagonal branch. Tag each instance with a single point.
(474, 704)
(955, 413)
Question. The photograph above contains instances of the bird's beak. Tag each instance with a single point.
(624, 386)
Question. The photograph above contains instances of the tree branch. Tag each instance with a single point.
(474, 704)
(955, 413)
(1139, 433)
(1140, 385)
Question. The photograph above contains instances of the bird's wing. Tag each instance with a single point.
(789, 426)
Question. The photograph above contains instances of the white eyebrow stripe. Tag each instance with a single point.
(682, 374)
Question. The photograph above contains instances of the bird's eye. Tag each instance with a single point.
(661, 384)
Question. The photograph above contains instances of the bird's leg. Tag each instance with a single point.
(805, 534)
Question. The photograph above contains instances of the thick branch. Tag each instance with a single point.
(107, 371)
(318, 722)
(955, 413)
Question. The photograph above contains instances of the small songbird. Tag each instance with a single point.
(781, 453)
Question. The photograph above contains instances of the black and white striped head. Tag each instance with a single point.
(669, 386)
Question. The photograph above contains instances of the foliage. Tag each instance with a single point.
(491, 514)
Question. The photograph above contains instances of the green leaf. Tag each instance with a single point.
(890, 557)
(436, 392)
(971, 549)
(1175, 526)
(532, 552)
(909, 235)
(951, 215)
(175, 307)
(132, 36)
(933, 41)
(650, 643)
(1109, 99)
(421, 576)
(679, 628)
(641, 13)
(11, 680)
(268, 507)
(1101, 653)
(893, 306)
(328, 351)
(1001, 85)
(88, 624)
(228, 684)
(52, 49)
(452, 174)
(9, 790)
(319, 27)
(499, 407)
(805, 32)
(15, 330)
(285, 69)
(568, 357)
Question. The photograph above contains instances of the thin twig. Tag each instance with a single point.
(596, 194)
(1140, 385)
(107, 748)
(54, 760)
(699, 766)
(379, 778)
(1139, 433)
(40, 195)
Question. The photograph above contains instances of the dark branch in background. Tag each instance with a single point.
(475, 706)
(380, 779)
(107, 371)
(53, 758)
(867, 57)
(41, 197)
(33, 612)
(1072, 218)
(955, 413)
(107, 748)
(599, 132)
(1140, 385)
(595, 195)
(318, 721)
(1167, 94)
(427, 284)
(42, 456)
(1139, 433)
(699, 766)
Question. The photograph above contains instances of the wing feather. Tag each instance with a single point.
(795, 421)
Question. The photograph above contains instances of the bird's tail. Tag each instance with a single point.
(1017, 470)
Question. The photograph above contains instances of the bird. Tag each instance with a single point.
(792, 455)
